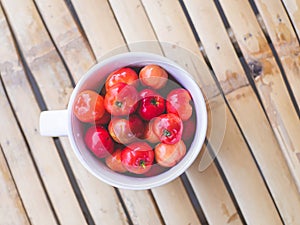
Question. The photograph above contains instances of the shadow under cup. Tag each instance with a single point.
(94, 79)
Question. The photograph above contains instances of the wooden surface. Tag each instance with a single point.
(243, 54)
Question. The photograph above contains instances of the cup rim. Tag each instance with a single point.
(192, 152)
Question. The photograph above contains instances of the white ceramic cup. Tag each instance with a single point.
(63, 122)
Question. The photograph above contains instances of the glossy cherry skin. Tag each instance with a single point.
(179, 103)
(121, 99)
(98, 140)
(168, 128)
(124, 75)
(126, 131)
(89, 106)
(151, 106)
(153, 76)
(138, 157)
(114, 162)
(169, 155)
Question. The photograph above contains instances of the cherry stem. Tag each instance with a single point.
(154, 102)
(166, 133)
(143, 164)
(119, 104)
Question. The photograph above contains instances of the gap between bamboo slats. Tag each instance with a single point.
(144, 38)
(242, 100)
(293, 9)
(234, 157)
(42, 60)
(105, 25)
(100, 41)
(101, 199)
(136, 28)
(14, 146)
(11, 208)
(268, 80)
(284, 39)
(92, 185)
(22, 167)
(143, 198)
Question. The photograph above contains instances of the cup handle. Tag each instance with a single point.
(54, 123)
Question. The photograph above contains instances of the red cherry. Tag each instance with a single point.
(178, 102)
(168, 128)
(137, 157)
(97, 139)
(121, 99)
(151, 106)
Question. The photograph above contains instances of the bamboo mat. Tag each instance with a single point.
(248, 55)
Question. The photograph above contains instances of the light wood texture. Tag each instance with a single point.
(14, 146)
(39, 52)
(171, 206)
(267, 153)
(266, 214)
(170, 25)
(212, 194)
(139, 202)
(98, 21)
(11, 208)
(270, 85)
(170, 198)
(66, 36)
(101, 199)
(132, 199)
(22, 168)
(285, 40)
(242, 100)
(217, 45)
(33, 39)
(293, 10)
(136, 27)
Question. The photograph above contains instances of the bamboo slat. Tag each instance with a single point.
(93, 15)
(293, 9)
(97, 200)
(174, 187)
(43, 64)
(14, 147)
(67, 36)
(39, 52)
(242, 100)
(285, 40)
(22, 168)
(212, 194)
(132, 199)
(136, 27)
(101, 199)
(11, 208)
(168, 198)
(269, 82)
(170, 25)
(171, 205)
